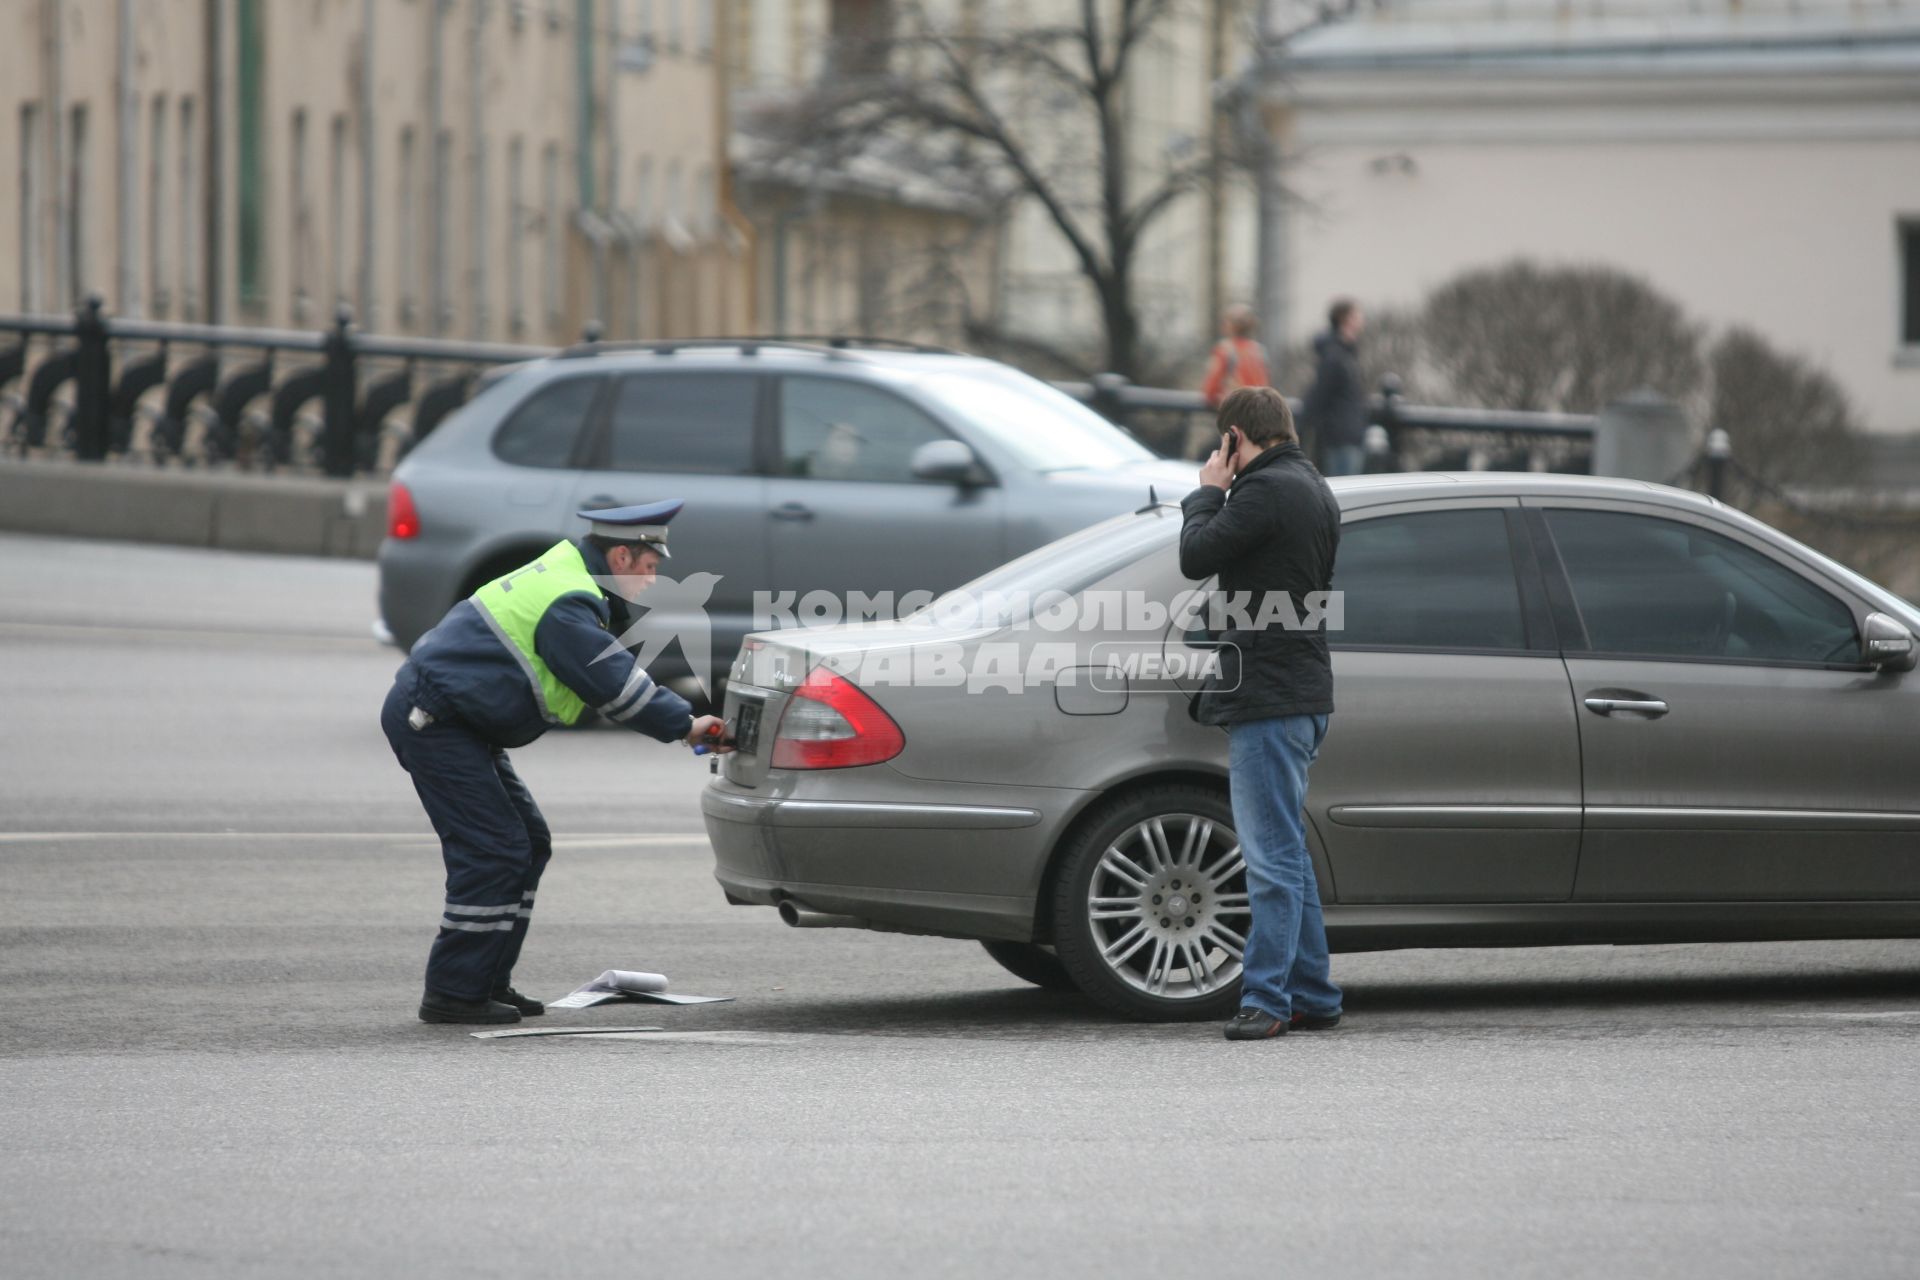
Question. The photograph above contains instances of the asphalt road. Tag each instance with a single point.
(218, 892)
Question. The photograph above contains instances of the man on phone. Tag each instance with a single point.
(1264, 521)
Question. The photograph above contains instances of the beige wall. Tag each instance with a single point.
(1762, 185)
(470, 222)
(1796, 239)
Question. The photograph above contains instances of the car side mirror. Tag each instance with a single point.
(1885, 644)
(947, 462)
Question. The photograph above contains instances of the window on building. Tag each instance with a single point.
(1429, 580)
(479, 291)
(299, 227)
(550, 233)
(1910, 277)
(703, 20)
(703, 202)
(407, 241)
(158, 290)
(32, 186)
(78, 189)
(337, 183)
(190, 223)
(442, 230)
(516, 237)
(249, 92)
(857, 34)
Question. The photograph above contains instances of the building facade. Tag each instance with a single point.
(991, 252)
(1757, 161)
(504, 170)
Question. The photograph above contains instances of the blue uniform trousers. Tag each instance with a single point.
(492, 836)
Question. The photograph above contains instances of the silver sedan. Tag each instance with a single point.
(1569, 710)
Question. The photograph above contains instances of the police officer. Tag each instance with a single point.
(530, 650)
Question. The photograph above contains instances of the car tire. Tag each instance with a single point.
(1031, 963)
(1114, 927)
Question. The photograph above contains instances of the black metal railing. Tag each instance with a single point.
(358, 380)
(217, 375)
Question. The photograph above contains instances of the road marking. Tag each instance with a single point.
(408, 837)
(1860, 1017)
(82, 630)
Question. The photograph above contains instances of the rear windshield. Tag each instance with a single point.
(1070, 564)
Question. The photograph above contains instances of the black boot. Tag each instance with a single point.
(439, 1008)
(527, 1005)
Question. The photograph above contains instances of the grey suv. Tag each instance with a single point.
(805, 466)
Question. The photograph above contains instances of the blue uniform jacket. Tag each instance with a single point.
(464, 670)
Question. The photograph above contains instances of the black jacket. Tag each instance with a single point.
(1335, 406)
(1278, 531)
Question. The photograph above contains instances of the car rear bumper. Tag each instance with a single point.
(955, 869)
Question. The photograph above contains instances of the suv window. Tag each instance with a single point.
(683, 422)
(832, 429)
(1429, 580)
(542, 432)
(1662, 588)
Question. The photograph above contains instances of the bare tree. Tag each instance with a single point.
(1522, 336)
(1788, 421)
(1038, 109)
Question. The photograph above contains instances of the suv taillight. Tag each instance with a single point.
(831, 723)
(403, 519)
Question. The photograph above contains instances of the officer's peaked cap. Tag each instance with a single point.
(644, 523)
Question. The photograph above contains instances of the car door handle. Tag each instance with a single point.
(1649, 707)
(601, 501)
(793, 511)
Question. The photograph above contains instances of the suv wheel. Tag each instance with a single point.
(1150, 915)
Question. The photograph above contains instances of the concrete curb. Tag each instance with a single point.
(293, 515)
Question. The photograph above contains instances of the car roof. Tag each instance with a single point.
(1400, 486)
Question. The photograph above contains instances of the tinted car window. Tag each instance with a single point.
(1429, 580)
(1662, 588)
(543, 430)
(836, 430)
(683, 422)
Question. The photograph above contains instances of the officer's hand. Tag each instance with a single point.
(710, 732)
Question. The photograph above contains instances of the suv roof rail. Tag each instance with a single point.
(668, 346)
(832, 346)
(851, 341)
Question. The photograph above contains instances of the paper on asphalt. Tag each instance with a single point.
(556, 1031)
(627, 984)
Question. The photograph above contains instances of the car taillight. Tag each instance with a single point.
(831, 723)
(403, 520)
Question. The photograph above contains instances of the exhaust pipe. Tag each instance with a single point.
(799, 918)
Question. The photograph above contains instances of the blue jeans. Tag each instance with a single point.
(1286, 967)
(1345, 460)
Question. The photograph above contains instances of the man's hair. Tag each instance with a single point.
(1260, 412)
(606, 544)
(1241, 321)
(1337, 313)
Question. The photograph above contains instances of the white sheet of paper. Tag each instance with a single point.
(555, 1031)
(628, 984)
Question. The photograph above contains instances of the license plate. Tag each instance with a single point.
(746, 727)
